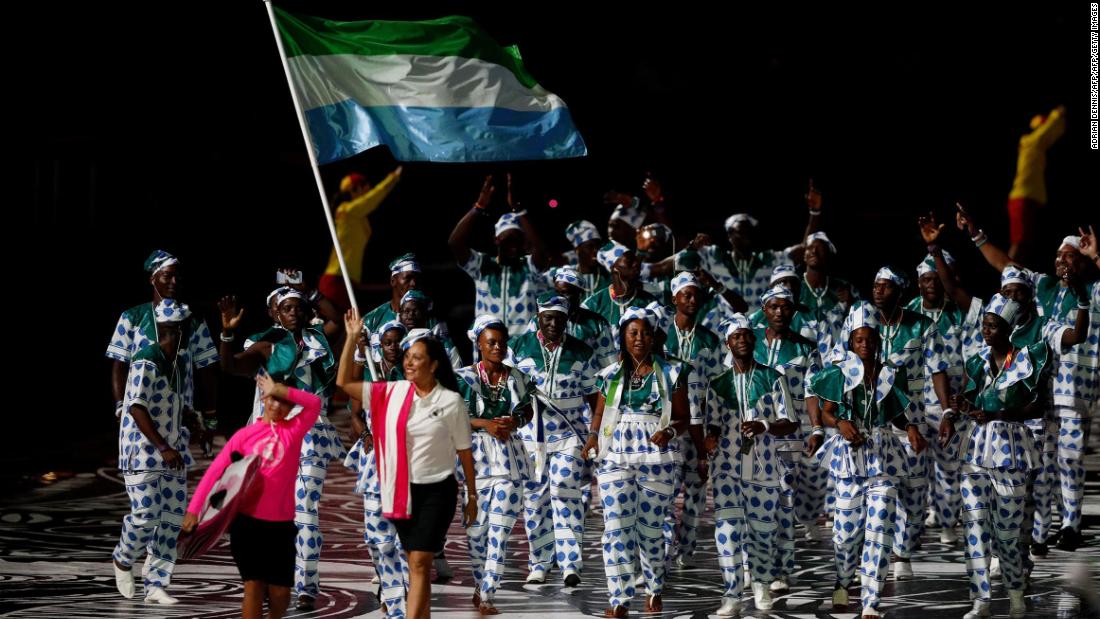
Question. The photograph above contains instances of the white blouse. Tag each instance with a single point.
(437, 427)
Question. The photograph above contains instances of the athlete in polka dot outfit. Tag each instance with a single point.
(153, 457)
(563, 372)
(505, 285)
(570, 377)
(498, 400)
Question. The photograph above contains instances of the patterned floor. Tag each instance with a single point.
(56, 541)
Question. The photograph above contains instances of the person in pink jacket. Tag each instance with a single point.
(262, 535)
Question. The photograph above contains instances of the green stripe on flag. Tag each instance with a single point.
(455, 35)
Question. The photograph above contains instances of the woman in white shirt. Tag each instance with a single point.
(418, 425)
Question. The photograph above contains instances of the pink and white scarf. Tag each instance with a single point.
(390, 404)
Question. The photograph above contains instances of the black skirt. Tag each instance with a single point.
(264, 549)
(433, 510)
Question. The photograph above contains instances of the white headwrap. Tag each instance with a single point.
(1004, 307)
(683, 280)
(738, 219)
(507, 221)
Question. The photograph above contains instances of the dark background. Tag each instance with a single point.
(170, 126)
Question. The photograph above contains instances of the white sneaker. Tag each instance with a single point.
(932, 521)
(761, 596)
(729, 608)
(124, 580)
(948, 536)
(376, 580)
(813, 533)
(639, 580)
(780, 585)
(1016, 606)
(1069, 605)
(156, 595)
(840, 599)
(685, 560)
(994, 568)
(536, 577)
(903, 570)
(980, 611)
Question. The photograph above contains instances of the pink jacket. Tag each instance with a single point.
(278, 445)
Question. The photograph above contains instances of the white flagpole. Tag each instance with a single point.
(316, 174)
(309, 149)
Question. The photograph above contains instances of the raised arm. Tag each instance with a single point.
(371, 200)
(995, 256)
(813, 221)
(244, 363)
(310, 403)
(1080, 330)
(459, 240)
(930, 231)
(347, 379)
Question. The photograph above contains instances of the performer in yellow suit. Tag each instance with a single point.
(356, 199)
(1029, 189)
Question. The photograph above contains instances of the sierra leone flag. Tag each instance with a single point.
(438, 90)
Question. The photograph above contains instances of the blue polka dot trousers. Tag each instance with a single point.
(684, 538)
(803, 488)
(157, 502)
(1041, 495)
(744, 525)
(307, 498)
(993, 509)
(553, 511)
(635, 500)
(1072, 438)
(912, 501)
(498, 506)
(863, 531)
(389, 558)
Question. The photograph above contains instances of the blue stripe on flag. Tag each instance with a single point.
(443, 134)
